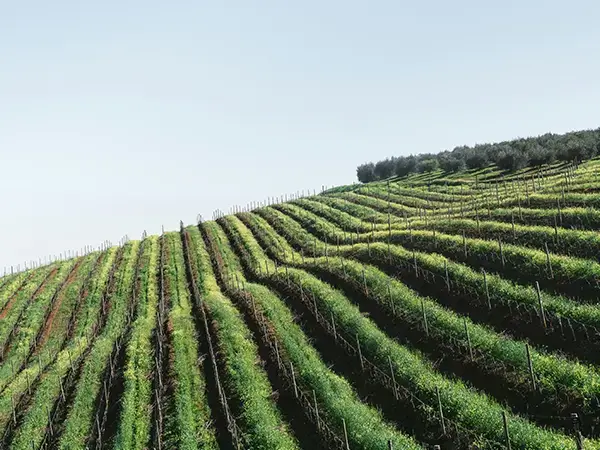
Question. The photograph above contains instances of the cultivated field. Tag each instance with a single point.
(460, 311)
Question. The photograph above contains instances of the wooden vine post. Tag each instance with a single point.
(362, 364)
(345, 434)
(294, 379)
(316, 409)
(548, 261)
(468, 338)
(512, 217)
(506, 434)
(497, 196)
(393, 377)
(333, 328)
(441, 411)
(578, 435)
(530, 367)
(541, 304)
(415, 264)
(389, 291)
(447, 276)
(425, 325)
(559, 211)
(487, 291)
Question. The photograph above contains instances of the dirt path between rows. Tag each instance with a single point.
(10, 303)
(56, 307)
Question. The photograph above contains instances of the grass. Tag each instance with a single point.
(396, 264)
(554, 372)
(134, 423)
(189, 425)
(472, 410)
(245, 379)
(336, 399)
(80, 419)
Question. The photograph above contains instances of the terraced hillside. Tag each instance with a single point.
(454, 311)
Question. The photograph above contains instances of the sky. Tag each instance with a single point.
(123, 116)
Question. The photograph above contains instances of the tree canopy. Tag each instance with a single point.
(508, 155)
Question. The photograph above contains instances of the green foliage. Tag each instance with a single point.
(134, 423)
(20, 299)
(245, 379)
(508, 155)
(11, 283)
(188, 426)
(500, 289)
(337, 400)
(555, 372)
(422, 224)
(474, 411)
(81, 414)
(30, 321)
(427, 165)
(35, 418)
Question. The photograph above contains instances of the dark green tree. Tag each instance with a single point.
(366, 172)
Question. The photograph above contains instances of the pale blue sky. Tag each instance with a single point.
(120, 116)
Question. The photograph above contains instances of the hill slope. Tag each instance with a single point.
(459, 311)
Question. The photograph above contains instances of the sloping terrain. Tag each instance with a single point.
(454, 310)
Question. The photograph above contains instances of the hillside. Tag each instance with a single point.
(458, 310)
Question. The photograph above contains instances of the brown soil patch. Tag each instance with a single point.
(10, 303)
(56, 307)
(45, 282)
(7, 307)
(12, 297)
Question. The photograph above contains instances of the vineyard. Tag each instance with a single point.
(432, 311)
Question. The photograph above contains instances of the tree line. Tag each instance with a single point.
(508, 155)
